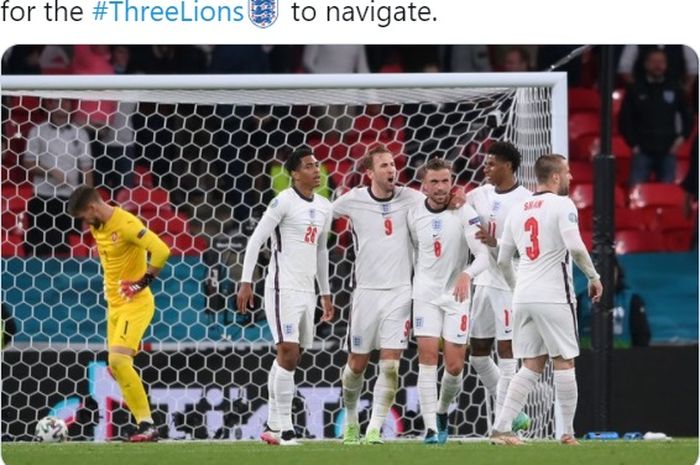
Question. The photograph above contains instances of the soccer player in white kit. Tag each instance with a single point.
(492, 304)
(381, 305)
(544, 231)
(298, 220)
(443, 239)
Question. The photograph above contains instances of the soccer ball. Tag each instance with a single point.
(51, 429)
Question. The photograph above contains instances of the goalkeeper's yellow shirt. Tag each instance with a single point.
(122, 243)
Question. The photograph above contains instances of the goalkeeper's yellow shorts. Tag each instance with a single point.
(127, 323)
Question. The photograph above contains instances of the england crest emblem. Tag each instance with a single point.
(262, 13)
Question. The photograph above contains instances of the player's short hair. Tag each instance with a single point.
(546, 165)
(367, 161)
(294, 160)
(434, 164)
(505, 151)
(80, 198)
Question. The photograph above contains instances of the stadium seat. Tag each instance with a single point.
(628, 219)
(682, 165)
(673, 219)
(581, 172)
(12, 244)
(144, 201)
(678, 240)
(639, 241)
(585, 147)
(583, 99)
(587, 237)
(656, 195)
(582, 195)
(583, 123)
(617, 96)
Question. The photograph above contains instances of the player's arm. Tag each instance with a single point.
(570, 234)
(272, 217)
(322, 271)
(136, 233)
(481, 258)
(506, 250)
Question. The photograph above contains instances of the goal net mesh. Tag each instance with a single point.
(199, 167)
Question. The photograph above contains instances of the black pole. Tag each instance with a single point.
(603, 251)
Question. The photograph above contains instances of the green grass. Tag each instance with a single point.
(676, 452)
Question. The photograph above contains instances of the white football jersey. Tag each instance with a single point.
(492, 208)
(441, 240)
(299, 228)
(383, 249)
(535, 228)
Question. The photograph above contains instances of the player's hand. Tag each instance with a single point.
(483, 235)
(128, 289)
(461, 291)
(595, 290)
(245, 298)
(328, 309)
(457, 198)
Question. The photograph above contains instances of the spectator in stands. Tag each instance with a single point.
(58, 159)
(22, 59)
(465, 58)
(335, 59)
(682, 64)
(239, 59)
(516, 59)
(690, 186)
(630, 323)
(648, 121)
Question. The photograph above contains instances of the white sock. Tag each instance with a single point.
(566, 393)
(384, 392)
(488, 372)
(352, 387)
(450, 385)
(427, 394)
(507, 368)
(273, 421)
(520, 386)
(284, 391)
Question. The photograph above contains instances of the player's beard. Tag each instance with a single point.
(563, 190)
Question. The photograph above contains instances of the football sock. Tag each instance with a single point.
(352, 387)
(520, 386)
(427, 394)
(384, 391)
(450, 386)
(507, 368)
(284, 394)
(272, 416)
(566, 392)
(133, 392)
(488, 372)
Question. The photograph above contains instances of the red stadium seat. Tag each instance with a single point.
(678, 240)
(581, 172)
(626, 219)
(582, 195)
(587, 237)
(585, 147)
(583, 99)
(12, 244)
(583, 123)
(639, 241)
(656, 195)
(673, 219)
(681, 170)
(144, 201)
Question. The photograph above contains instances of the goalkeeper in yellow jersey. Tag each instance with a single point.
(123, 243)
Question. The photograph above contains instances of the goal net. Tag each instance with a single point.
(198, 159)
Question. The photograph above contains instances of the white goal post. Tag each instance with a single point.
(197, 158)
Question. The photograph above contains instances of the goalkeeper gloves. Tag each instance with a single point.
(128, 289)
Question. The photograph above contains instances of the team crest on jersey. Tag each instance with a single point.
(312, 213)
(289, 329)
(262, 13)
(114, 237)
(274, 202)
(437, 224)
(386, 209)
(496, 206)
(356, 341)
(419, 322)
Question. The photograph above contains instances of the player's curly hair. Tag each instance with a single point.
(506, 152)
(294, 160)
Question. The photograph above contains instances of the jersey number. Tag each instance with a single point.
(463, 323)
(506, 315)
(310, 236)
(533, 228)
(437, 246)
(388, 227)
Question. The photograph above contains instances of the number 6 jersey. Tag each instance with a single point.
(299, 228)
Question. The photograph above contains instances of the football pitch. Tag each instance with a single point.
(677, 452)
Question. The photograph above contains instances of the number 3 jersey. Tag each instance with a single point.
(383, 250)
(443, 252)
(535, 228)
(299, 228)
(493, 207)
